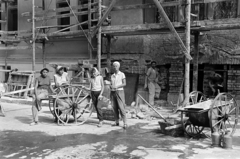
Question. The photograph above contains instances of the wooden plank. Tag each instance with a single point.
(107, 12)
(99, 40)
(18, 91)
(2, 21)
(14, 47)
(14, 32)
(145, 6)
(10, 40)
(171, 27)
(62, 15)
(208, 1)
(55, 10)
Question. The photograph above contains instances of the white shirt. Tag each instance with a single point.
(61, 79)
(96, 83)
(117, 79)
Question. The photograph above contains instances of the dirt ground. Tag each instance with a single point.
(142, 139)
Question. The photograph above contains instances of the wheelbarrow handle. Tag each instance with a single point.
(152, 108)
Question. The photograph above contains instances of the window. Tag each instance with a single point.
(13, 16)
(64, 20)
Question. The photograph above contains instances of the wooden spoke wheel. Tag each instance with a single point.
(191, 129)
(223, 114)
(72, 105)
(196, 97)
(189, 124)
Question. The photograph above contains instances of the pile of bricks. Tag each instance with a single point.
(175, 77)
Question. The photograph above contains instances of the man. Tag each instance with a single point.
(151, 82)
(215, 84)
(118, 81)
(41, 91)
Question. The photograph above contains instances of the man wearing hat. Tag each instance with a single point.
(41, 91)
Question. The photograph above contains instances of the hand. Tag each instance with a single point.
(100, 97)
(113, 87)
(145, 86)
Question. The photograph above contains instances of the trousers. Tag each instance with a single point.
(95, 95)
(36, 107)
(118, 104)
(154, 91)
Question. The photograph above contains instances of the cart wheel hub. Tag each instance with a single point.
(225, 117)
(75, 105)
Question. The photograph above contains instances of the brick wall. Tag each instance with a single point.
(233, 83)
(175, 77)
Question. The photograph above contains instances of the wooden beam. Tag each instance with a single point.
(14, 48)
(2, 21)
(207, 1)
(55, 10)
(14, 32)
(89, 29)
(33, 36)
(187, 60)
(171, 27)
(10, 40)
(108, 49)
(104, 16)
(99, 40)
(62, 15)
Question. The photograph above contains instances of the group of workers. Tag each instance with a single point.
(43, 88)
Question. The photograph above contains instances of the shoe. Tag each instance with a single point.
(115, 124)
(100, 124)
(125, 126)
(33, 123)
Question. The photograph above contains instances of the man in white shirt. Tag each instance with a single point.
(118, 81)
(151, 82)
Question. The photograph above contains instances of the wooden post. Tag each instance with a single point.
(99, 36)
(44, 41)
(238, 8)
(225, 73)
(195, 61)
(33, 35)
(6, 29)
(89, 28)
(187, 62)
(109, 52)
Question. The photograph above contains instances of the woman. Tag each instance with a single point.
(61, 79)
(118, 81)
(97, 88)
(41, 91)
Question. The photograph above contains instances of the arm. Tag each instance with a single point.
(56, 82)
(123, 84)
(102, 89)
(35, 88)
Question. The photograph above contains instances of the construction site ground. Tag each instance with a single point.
(142, 139)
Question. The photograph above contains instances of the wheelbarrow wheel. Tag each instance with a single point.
(69, 105)
(189, 128)
(196, 97)
(223, 114)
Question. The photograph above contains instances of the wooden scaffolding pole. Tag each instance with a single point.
(6, 29)
(89, 28)
(99, 35)
(44, 41)
(195, 61)
(109, 52)
(187, 61)
(33, 35)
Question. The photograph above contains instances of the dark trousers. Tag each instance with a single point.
(95, 95)
(118, 104)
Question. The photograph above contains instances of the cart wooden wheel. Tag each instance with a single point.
(189, 127)
(223, 114)
(196, 97)
(72, 103)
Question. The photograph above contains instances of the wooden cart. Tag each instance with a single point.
(219, 114)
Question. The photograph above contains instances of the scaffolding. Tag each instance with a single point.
(41, 33)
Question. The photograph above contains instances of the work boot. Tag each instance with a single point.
(100, 124)
(33, 123)
(125, 126)
(115, 124)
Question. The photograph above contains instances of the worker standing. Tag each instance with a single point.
(151, 82)
(118, 81)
